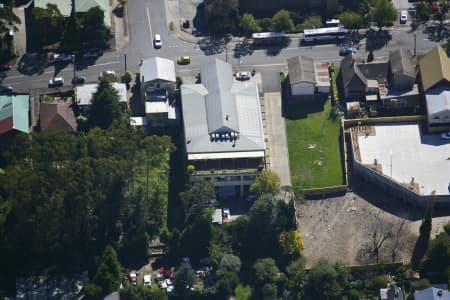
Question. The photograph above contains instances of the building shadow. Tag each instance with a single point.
(136, 106)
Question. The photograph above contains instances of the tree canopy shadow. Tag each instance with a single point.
(437, 33)
(199, 21)
(377, 39)
(243, 49)
(214, 45)
(33, 63)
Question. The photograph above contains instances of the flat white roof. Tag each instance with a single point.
(221, 155)
(412, 153)
(156, 107)
(138, 121)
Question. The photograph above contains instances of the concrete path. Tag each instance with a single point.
(276, 141)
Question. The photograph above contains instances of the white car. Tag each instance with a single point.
(157, 43)
(56, 82)
(109, 72)
(445, 136)
(403, 16)
(243, 76)
(147, 280)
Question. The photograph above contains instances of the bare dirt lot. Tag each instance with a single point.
(361, 231)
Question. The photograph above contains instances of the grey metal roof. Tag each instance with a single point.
(206, 105)
(157, 68)
(375, 70)
(349, 69)
(432, 293)
(401, 63)
(438, 100)
(301, 69)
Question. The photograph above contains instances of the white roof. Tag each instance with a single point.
(226, 155)
(158, 68)
(324, 30)
(85, 92)
(156, 107)
(138, 121)
(438, 100)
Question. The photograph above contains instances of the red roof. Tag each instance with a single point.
(57, 115)
(6, 125)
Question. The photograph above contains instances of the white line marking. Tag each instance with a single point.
(149, 24)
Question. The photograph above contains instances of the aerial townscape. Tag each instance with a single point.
(224, 149)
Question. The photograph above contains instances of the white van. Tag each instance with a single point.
(403, 16)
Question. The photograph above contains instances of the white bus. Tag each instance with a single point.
(268, 38)
(329, 34)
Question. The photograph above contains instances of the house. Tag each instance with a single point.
(85, 92)
(352, 80)
(57, 115)
(401, 70)
(158, 82)
(223, 131)
(82, 6)
(306, 77)
(432, 293)
(64, 6)
(14, 113)
(438, 105)
(392, 293)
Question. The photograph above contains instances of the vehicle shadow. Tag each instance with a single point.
(377, 39)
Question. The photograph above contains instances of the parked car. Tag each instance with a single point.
(346, 51)
(403, 16)
(56, 82)
(147, 280)
(243, 76)
(109, 72)
(5, 67)
(79, 79)
(157, 43)
(63, 58)
(133, 277)
(445, 136)
(6, 89)
(184, 60)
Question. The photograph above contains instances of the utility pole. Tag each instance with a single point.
(125, 60)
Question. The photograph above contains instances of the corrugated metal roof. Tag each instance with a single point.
(434, 67)
(301, 69)
(64, 6)
(438, 100)
(157, 68)
(432, 293)
(204, 106)
(17, 108)
(85, 5)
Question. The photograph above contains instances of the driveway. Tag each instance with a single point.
(276, 141)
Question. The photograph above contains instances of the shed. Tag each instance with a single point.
(401, 69)
(301, 75)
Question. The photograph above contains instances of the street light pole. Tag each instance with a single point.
(415, 43)
(125, 60)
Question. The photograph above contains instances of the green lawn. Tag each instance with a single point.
(314, 152)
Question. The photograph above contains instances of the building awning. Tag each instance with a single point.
(222, 155)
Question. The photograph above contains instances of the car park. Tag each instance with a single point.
(184, 60)
(403, 16)
(445, 136)
(133, 277)
(346, 51)
(79, 79)
(157, 43)
(6, 89)
(243, 76)
(56, 82)
(5, 67)
(147, 280)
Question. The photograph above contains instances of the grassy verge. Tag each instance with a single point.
(334, 75)
(314, 151)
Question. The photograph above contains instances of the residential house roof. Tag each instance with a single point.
(64, 6)
(84, 5)
(301, 69)
(438, 100)
(375, 70)
(434, 68)
(158, 68)
(57, 115)
(14, 113)
(218, 109)
(401, 63)
(158, 107)
(432, 293)
(85, 92)
(349, 70)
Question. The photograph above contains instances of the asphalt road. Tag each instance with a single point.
(147, 18)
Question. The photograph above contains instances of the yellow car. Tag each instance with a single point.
(184, 60)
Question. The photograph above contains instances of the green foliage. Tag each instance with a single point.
(267, 182)
(264, 24)
(226, 284)
(95, 33)
(310, 22)
(295, 272)
(282, 22)
(48, 24)
(351, 20)
(326, 280)
(172, 26)
(269, 291)
(184, 280)
(8, 20)
(266, 271)
(383, 12)
(71, 37)
(249, 24)
(439, 254)
(243, 292)
(419, 285)
(190, 168)
(108, 276)
(105, 107)
(229, 263)
(291, 243)
(196, 238)
(131, 292)
(197, 197)
(221, 15)
(127, 77)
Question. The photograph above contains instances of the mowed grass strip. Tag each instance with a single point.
(314, 151)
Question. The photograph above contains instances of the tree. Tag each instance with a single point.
(226, 284)
(266, 271)
(439, 254)
(383, 12)
(326, 280)
(267, 182)
(269, 291)
(8, 20)
(105, 107)
(291, 243)
(184, 280)
(95, 33)
(249, 24)
(311, 22)
(296, 274)
(351, 20)
(48, 24)
(221, 15)
(71, 37)
(242, 292)
(108, 276)
(229, 263)
(197, 198)
(282, 22)
(197, 238)
(131, 292)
